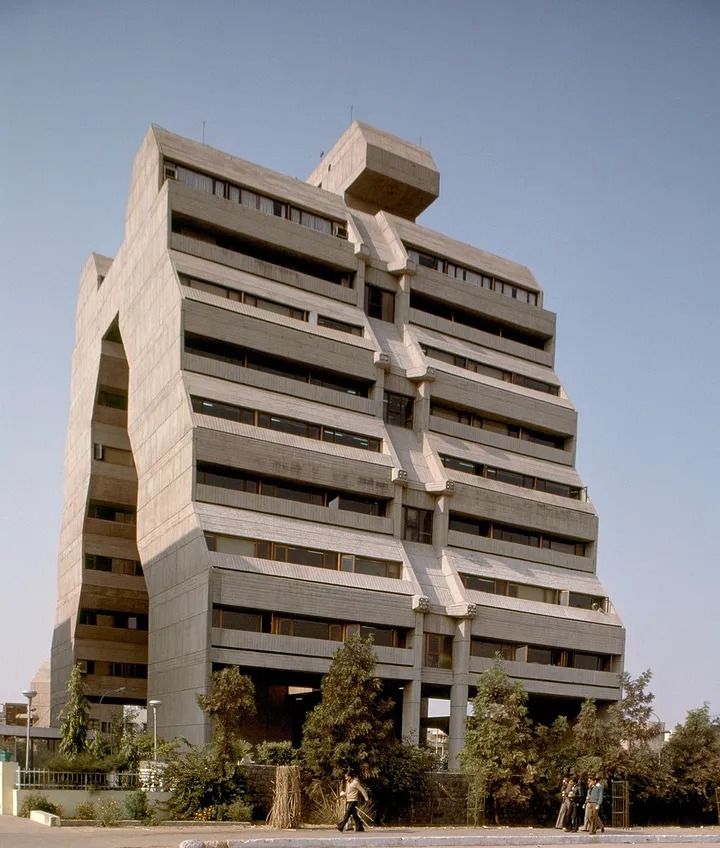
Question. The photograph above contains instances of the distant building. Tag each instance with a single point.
(295, 415)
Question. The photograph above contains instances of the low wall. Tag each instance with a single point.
(68, 799)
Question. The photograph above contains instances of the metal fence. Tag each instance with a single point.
(46, 779)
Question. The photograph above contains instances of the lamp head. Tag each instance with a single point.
(156, 702)
(29, 694)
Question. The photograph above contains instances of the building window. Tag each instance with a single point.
(226, 477)
(254, 200)
(121, 513)
(379, 303)
(438, 651)
(494, 425)
(513, 478)
(490, 371)
(481, 278)
(114, 456)
(398, 409)
(281, 552)
(282, 624)
(114, 565)
(490, 648)
(245, 297)
(270, 364)
(417, 525)
(267, 420)
(265, 252)
(523, 591)
(588, 602)
(476, 320)
(114, 398)
(341, 326)
(516, 535)
(112, 618)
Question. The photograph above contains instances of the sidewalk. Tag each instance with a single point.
(456, 837)
(22, 833)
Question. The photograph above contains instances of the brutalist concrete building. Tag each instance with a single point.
(296, 415)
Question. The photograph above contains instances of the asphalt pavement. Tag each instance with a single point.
(22, 833)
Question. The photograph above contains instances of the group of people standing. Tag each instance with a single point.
(580, 805)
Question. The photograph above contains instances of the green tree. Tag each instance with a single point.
(230, 701)
(497, 757)
(554, 755)
(350, 727)
(632, 728)
(74, 716)
(693, 757)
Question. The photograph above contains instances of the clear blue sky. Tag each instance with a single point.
(579, 138)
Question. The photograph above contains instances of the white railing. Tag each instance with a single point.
(46, 779)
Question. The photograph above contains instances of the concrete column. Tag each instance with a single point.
(459, 692)
(412, 694)
(402, 301)
(8, 779)
(441, 521)
(421, 412)
(411, 712)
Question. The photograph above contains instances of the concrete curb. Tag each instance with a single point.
(480, 838)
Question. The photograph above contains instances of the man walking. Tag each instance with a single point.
(352, 792)
(594, 799)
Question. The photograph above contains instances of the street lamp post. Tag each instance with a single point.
(29, 694)
(155, 703)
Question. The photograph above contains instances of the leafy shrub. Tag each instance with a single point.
(275, 754)
(136, 805)
(400, 778)
(109, 812)
(239, 811)
(202, 780)
(35, 801)
(85, 811)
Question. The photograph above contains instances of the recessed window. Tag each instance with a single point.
(398, 409)
(114, 398)
(341, 326)
(476, 320)
(270, 364)
(379, 303)
(417, 525)
(494, 425)
(481, 278)
(227, 477)
(490, 648)
(515, 535)
(438, 651)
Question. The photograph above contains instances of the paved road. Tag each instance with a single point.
(21, 833)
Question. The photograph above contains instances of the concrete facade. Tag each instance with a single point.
(296, 413)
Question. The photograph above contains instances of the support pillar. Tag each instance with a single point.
(459, 693)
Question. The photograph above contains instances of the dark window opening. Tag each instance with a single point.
(461, 415)
(477, 321)
(398, 409)
(379, 303)
(238, 480)
(262, 251)
(417, 525)
(516, 535)
(269, 364)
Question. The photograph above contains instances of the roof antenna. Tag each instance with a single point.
(203, 132)
(351, 112)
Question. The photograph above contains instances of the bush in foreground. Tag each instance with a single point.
(35, 801)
